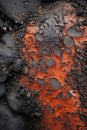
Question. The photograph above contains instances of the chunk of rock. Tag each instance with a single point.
(68, 95)
(68, 42)
(39, 37)
(9, 121)
(1, 23)
(59, 96)
(40, 81)
(50, 62)
(18, 65)
(8, 39)
(2, 89)
(3, 77)
(55, 84)
(74, 31)
(15, 101)
(18, 10)
(50, 109)
(6, 56)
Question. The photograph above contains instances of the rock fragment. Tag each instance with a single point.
(68, 42)
(3, 77)
(40, 81)
(18, 65)
(50, 62)
(6, 56)
(55, 84)
(18, 10)
(9, 121)
(68, 95)
(2, 89)
(74, 31)
(8, 39)
(59, 96)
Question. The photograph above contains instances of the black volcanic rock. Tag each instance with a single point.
(9, 121)
(18, 10)
(2, 89)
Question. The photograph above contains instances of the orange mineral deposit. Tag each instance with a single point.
(49, 65)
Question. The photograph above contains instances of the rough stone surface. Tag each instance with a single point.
(17, 65)
(8, 39)
(2, 89)
(6, 56)
(18, 10)
(55, 84)
(74, 31)
(68, 41)
(9, 121)
(50, 62)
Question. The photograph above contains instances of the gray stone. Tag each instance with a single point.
(50, 62)
(55, 84)
(18, 10)
(68, 41)
(74, 31)
(39, 37)
(2, 89)
(34, 63)
(50, 109)
(8, 39)
(3, 77)
(14, 101)
(6, 56)
(68, 95)
(9, 121)
(59, 96)
(18, 65)
(1, 23)
(40, 81)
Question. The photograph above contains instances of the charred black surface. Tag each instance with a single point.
(78, 76)
(81, 9)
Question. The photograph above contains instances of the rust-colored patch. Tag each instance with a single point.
(61, 103)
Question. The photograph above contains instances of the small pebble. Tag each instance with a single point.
(40, 81)
(68, 95)
(74, 31)
(68, 42)
(50, 63)
(39, 37)
(55, 84)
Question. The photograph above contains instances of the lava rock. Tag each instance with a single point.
(15, 101)
(51, 22)
(40, 81)
(55, 84)
(74, 31)
(39, 37)
(6, 56)
(68, 41)
(59, 96)
(18, 10)
(1, 23)
(3, 77)
(2, 89)
(8, 39)
(18, 65)
(50, 109)
(22, 101)
(34, 64)
(50, 62)
(68, 95)
(9, 121)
